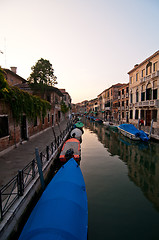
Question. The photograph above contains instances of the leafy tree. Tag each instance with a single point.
(43, 73)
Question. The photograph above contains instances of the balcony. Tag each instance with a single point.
(107, 108)
(122, 108)
(155, 74)
(127, 95)
(149, 103)
(122, 96)
(118, 97)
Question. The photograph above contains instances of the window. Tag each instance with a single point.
(122, 114)
(155, 94)
(143, 73)
(127, 102)
(122, 103)
(148, 94)
(131, 80)
(131, 98)
(4, 126)
(155, 66)
(131, 114)
(143, 96)
(48, 116)
(154, 115)
(136, 114)
(137, 77)
(137, 96)
(122, 91)
(127, 90)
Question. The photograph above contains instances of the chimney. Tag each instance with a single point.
(13, 69)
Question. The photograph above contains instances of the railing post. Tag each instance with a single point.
(1, 205)
(20, 183)
(47, 153)
(41, 158)
(33, 168)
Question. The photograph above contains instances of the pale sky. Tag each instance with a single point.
(92, 44)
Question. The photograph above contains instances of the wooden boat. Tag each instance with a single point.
(73, 144)
(62, 211)
(130, 131)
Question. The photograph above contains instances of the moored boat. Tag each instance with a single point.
(130, 131)
(62, 211)
(76, 133)
(98, 120)
(74, 145)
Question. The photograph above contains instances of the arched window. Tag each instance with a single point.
(148, 91)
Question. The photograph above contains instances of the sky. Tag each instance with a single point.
(91, 44)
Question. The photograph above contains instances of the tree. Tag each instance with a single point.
(43, 73)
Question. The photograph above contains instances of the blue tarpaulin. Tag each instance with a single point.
(62, 211)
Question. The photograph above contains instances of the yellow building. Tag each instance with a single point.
(144, 92)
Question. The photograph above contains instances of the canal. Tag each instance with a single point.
(122, 182)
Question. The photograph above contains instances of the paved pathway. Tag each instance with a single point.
(19, 157)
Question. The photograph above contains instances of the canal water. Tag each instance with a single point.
(122, 182)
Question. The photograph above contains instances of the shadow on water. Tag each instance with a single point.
(142, 159)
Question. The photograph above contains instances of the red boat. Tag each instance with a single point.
(71, 144)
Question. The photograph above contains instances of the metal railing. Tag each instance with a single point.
(16, 186)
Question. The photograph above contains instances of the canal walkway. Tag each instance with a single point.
(17, 158)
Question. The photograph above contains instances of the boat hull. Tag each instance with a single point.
(130, 131)
(129, 135)
(62, 211)
(75, 145)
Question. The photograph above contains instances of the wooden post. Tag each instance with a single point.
(40, 168)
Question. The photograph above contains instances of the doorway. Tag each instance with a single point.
(23, 128)
(148, 117)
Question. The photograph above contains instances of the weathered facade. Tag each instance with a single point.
(11, 133)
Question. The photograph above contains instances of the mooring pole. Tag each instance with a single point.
(40, 168)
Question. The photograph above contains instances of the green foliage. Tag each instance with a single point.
(64, 108)
(22, 102)
(3, 82)
(43, 73)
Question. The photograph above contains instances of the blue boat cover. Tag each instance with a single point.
(133, 130)
(62, 211)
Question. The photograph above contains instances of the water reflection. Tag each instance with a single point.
(142, 159)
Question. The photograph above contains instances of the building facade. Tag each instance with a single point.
(144, 92)
(123, 104)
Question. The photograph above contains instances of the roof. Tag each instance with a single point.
(14, 74)
(146, 60)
